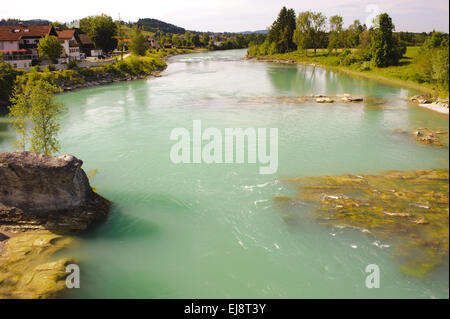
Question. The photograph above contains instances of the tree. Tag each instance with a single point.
(302, 33)
(51, 47)
(440, 70)
(59, 25)
(353, 33)
(138, 44)
(7, 77)
(309, 30)
(433, 41)
(282, 30)
(120, 38)
(318, 29)
(205, 39)
(336, 32)
(33, 103)
(196, 40)
(385, 49)
(101, 30)
(187, 39)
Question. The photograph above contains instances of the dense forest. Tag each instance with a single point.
(154, 25)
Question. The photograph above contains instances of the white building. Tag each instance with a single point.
(71, 44)
(18, 44)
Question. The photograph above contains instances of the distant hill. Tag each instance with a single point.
(4, 22)
(153, 25)
(255, 32)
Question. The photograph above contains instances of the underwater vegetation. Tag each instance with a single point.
(410, 208)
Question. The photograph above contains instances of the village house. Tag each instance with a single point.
(18, 44)
(153, 43)
(87, 47)
(125, 43)
(71, 44)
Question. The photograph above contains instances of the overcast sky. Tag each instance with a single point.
(234, 15)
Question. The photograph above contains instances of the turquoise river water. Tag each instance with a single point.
(213, 230)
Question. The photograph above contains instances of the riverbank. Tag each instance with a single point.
(399, 75)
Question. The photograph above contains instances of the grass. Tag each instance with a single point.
(405, 74)
(127, 32)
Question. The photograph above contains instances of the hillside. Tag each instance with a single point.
(153, 25)
(25, 22)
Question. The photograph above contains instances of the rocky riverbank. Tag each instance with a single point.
(107, 78)
(43, 199)
(438, 105)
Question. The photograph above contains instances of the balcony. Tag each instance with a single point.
(27, 46)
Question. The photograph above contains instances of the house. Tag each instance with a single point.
(126, 43)
(87, 47)
(71, 44)
(153, 43)
(167, 46)
(18, 44)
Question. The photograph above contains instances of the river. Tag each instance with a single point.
(213, 230)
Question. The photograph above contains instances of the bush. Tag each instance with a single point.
(72, 65)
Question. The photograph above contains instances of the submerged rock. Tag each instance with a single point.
(410, 208)
(27, 267)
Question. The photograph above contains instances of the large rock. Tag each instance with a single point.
(44, 192)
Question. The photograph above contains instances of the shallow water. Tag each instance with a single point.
(215, 231)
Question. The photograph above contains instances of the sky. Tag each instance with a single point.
(235, 15)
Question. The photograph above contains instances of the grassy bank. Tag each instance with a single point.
(405, 74)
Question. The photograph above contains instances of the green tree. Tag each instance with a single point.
(187, 39)
(175, 40)
(310, 30)
(120, 38)
(51, 47)
(196, 40)
(434, 41)
(440, 67)
(282, 30)
(336, 32)
(59, 25)
(101, 30)
(7, 77)
(138, 44)
(353, 34)
(302, 33)
(385, 49)
(33, 103)
(205, 39)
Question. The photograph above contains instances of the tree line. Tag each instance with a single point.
(357, 45)
(308, 30)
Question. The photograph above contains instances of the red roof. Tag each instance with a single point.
(15, 33)
(66, 34)
(84, 39)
